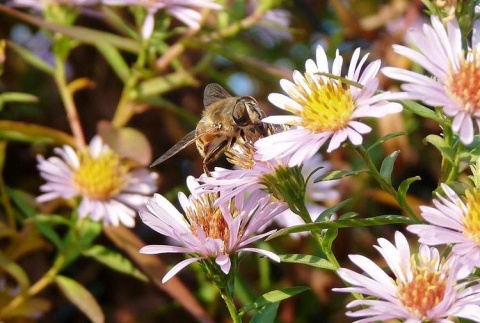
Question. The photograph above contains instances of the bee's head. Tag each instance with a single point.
(246, 112)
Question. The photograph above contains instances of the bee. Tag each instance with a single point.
(225, 120)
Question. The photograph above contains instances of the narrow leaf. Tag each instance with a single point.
(445, 149)
(81, 298)
(266, 314)
(115, 59)
(162, 84)
(327, 213)
(337, 174)
(272, 297)
(25, 203)
(86, 35)
(31, 58)
(17, 97)
(421, 110)
(350, 223)
(403, 189)
(387, 166)
(28, 132)
(15, 271)
(308, 260)
(385, 138)
(114, 260)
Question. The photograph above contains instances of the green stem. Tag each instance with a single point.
(69, 103)
(230, 305)
(303, 212)
(382, 182)
(36, 288)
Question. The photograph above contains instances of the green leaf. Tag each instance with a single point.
(328, 237)
(114, 260)
(387, 166)
(266, 314)
(82, 238)
(327, 213)
(162, 84)
(272, 297)
(444, 148)
(385, 138)
(115, 59)
(17, 97)
(81, 298)
(31, 58)
(15, 271)
(308, 260)
(350, 223)
(86, 35)
(24, 203)
(337, 174)
(403, 189)
(28, 132)
(421, 110)
(28, 309)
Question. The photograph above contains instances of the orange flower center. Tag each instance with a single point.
(463, 85)
(425, 289)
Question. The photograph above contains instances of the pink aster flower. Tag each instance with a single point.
(453, 221)
(207, 230)
(180, 9)
(426, 288)
(324, 108)
(40, 4)
(455, 85)
(108, 189)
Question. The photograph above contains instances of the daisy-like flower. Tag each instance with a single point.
(453, 221)
(108, 189)
(40, 4)
(207, 230)
(325, 108)
(426, 288)
(455, 85)
(183, 10)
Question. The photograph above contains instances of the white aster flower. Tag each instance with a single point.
(108, 189)
(325, 108)
(183, 10)
(207, 230)
(426, 287)
(455, 85)
(453, 221)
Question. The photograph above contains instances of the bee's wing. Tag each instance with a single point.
(213, 93)
(184, 142)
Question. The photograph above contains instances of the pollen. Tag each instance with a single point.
(471, 221)
(101, 177)
(463, 85)
(424, 290)
(326, 104)
(204, 215)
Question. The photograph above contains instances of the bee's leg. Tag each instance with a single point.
(214, 154)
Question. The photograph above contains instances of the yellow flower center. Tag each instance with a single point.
(463, 84)
(326, 105)
(471, 221)
(425, 289)
(100, 178)
(208, 217)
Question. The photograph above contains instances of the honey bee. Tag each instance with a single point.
(225, 120)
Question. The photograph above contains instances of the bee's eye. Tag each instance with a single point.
(240, 114)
